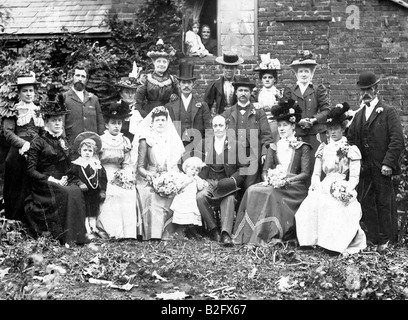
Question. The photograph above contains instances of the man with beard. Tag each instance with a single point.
(85, 111)
(190, 115)
(376, 130)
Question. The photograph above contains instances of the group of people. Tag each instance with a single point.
(252, 165)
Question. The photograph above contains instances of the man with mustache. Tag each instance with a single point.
(220, 93)
(376, 130)
(190, 115)
(85, 111)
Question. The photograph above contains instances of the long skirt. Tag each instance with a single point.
(16, 185)
(57, 209)
(329, 223)
(266, 213)
(154, 214)
(117, 217)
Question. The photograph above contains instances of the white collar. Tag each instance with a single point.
(92, 162)
(373, 103)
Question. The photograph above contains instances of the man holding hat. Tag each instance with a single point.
(190, 116)
(251, 129)
(376, 130)
(220, 93)
(224, 180)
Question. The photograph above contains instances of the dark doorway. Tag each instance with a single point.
(209, 16)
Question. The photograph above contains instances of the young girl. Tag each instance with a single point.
(117, 218)
(194, 43)
(184, 204)
(87, 169)
(330, 215)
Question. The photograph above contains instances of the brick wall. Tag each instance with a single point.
(379, 44)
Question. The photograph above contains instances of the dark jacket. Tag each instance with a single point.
(231, 167)
(215, 94)
(83, 116)
(200, 117)
(314, 104)
(385, 137)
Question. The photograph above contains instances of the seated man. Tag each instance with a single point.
(224, 179)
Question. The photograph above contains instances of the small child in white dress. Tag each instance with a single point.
(194, 43)
(184, 205)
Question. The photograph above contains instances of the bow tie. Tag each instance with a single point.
(242, 108)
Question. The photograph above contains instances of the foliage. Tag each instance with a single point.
(402, 179)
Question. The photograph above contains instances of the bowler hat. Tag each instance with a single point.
(88, 135)
(243, 82)
(229, 58)
(224, 188)
(186, 72)
(367, 79)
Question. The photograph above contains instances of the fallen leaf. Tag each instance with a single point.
(283, 284)
(3, 272)
(54, 268)
(126, 287)
(251, 275)
(178, 295)
(99, 281)
(158, 277)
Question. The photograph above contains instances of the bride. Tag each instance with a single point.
(160, 148)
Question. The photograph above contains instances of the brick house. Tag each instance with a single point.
(347, 36)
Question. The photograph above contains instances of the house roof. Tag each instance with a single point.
(42, 18)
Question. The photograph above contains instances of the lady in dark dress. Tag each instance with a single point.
(21, 124)
(54, 205)
(267, 209)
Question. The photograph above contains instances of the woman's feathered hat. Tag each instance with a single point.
(116, 110)
(54, 105)
(287, 110)
(304, 58)
(339, 114)
(160, 49)
(268, 65)
(132, 81)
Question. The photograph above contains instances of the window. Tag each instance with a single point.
(232, 22)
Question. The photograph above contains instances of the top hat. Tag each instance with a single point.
(186, 72)
(161, 50)
(85, 136)
(55, 104)
(25, 80)
(127, 82)
(116, 110)
(287, 110)
(367, 79)
(304, 58)
(224, 188)
(230, 59)
(338, 114)
(243, 82)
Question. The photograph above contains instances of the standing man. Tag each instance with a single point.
(220, 93)
(376, 130)
(224, 180)
(190, 116)
(252, 131)
(85, 112)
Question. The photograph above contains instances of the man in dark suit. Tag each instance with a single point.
(85, 112)
(376, 130)
(191, 116)
(252, 131)
(224, 180)
(220, 93)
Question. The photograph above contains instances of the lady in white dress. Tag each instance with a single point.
(160, 148)
(330, 217)
(117, 217)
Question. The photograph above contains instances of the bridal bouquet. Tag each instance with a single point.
(166, 183)
(124, 179)
(339, 191)
(276, 177)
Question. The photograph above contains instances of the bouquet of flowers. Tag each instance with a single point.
(276, 177)
(342, 152)
(124, 179)
(339, 191)
(166, 183)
